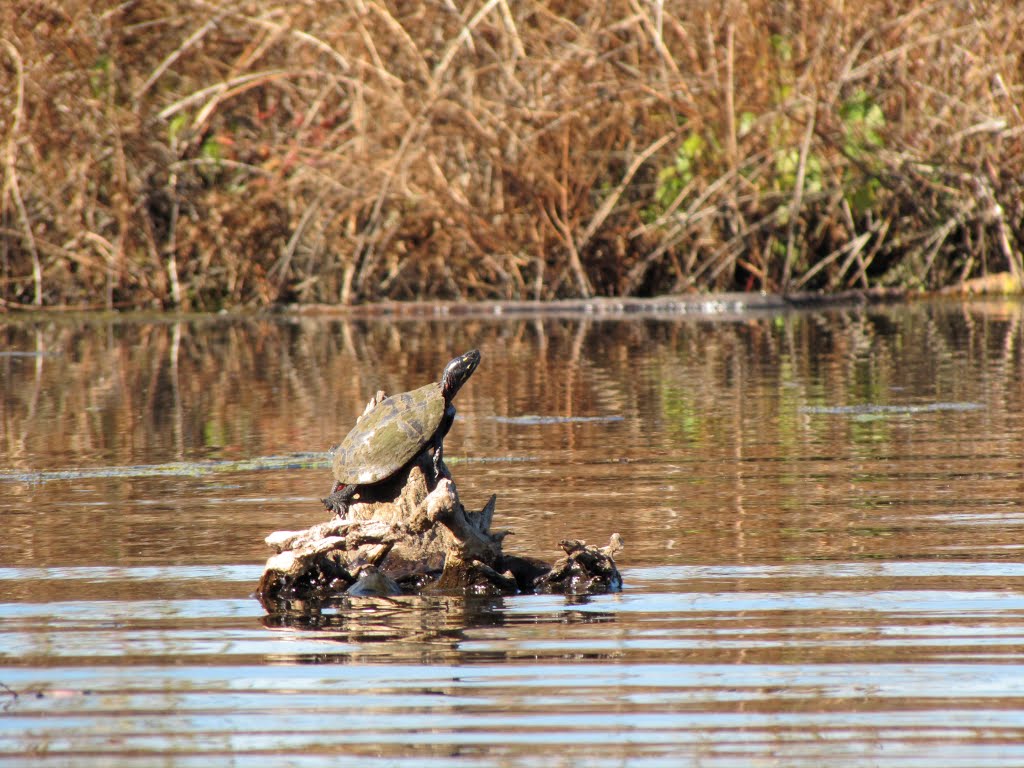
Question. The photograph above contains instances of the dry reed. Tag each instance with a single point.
(206, 154)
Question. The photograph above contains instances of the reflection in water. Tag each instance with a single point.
(424, 630)
(128, 392)
(808, 665)
(872, 409)
(534, 420)
(822, 515)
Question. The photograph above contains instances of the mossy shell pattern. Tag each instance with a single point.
(389, 436)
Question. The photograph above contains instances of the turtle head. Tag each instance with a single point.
(458, 371)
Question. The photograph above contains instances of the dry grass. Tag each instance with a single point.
(207, 154)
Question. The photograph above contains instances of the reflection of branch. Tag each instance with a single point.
(14, 697)
(178, 417)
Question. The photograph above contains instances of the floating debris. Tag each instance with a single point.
(531, 420)
(875, 409)
(299, 460)
(304, 460)
(28, 353)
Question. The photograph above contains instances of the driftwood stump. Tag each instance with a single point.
(410, 534)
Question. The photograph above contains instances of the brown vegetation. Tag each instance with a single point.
(205, 153)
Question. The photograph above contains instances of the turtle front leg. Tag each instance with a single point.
(438, 456)
(442, 430)
(337, 501)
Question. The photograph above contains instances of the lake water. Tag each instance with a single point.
(823, 514)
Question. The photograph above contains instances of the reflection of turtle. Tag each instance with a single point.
(395, 431)
(373, 582)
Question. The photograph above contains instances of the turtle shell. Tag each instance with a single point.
(389, 436)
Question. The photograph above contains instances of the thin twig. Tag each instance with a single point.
(855, 245)
(730, 106)
(178, 52)
(234, 85)
(611, 200)
(11, 178)
(798, 196)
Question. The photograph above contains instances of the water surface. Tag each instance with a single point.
(822, 513)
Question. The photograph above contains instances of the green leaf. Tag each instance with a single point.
(693, 146)
(747, 120)
(175, 127)
(212, 150)
(99, 76)
(863, 121)
(782, 47)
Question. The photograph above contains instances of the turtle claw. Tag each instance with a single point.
(338, 500)
(340, 509)
(440, 470)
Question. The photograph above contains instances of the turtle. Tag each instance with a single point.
(395, 431)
